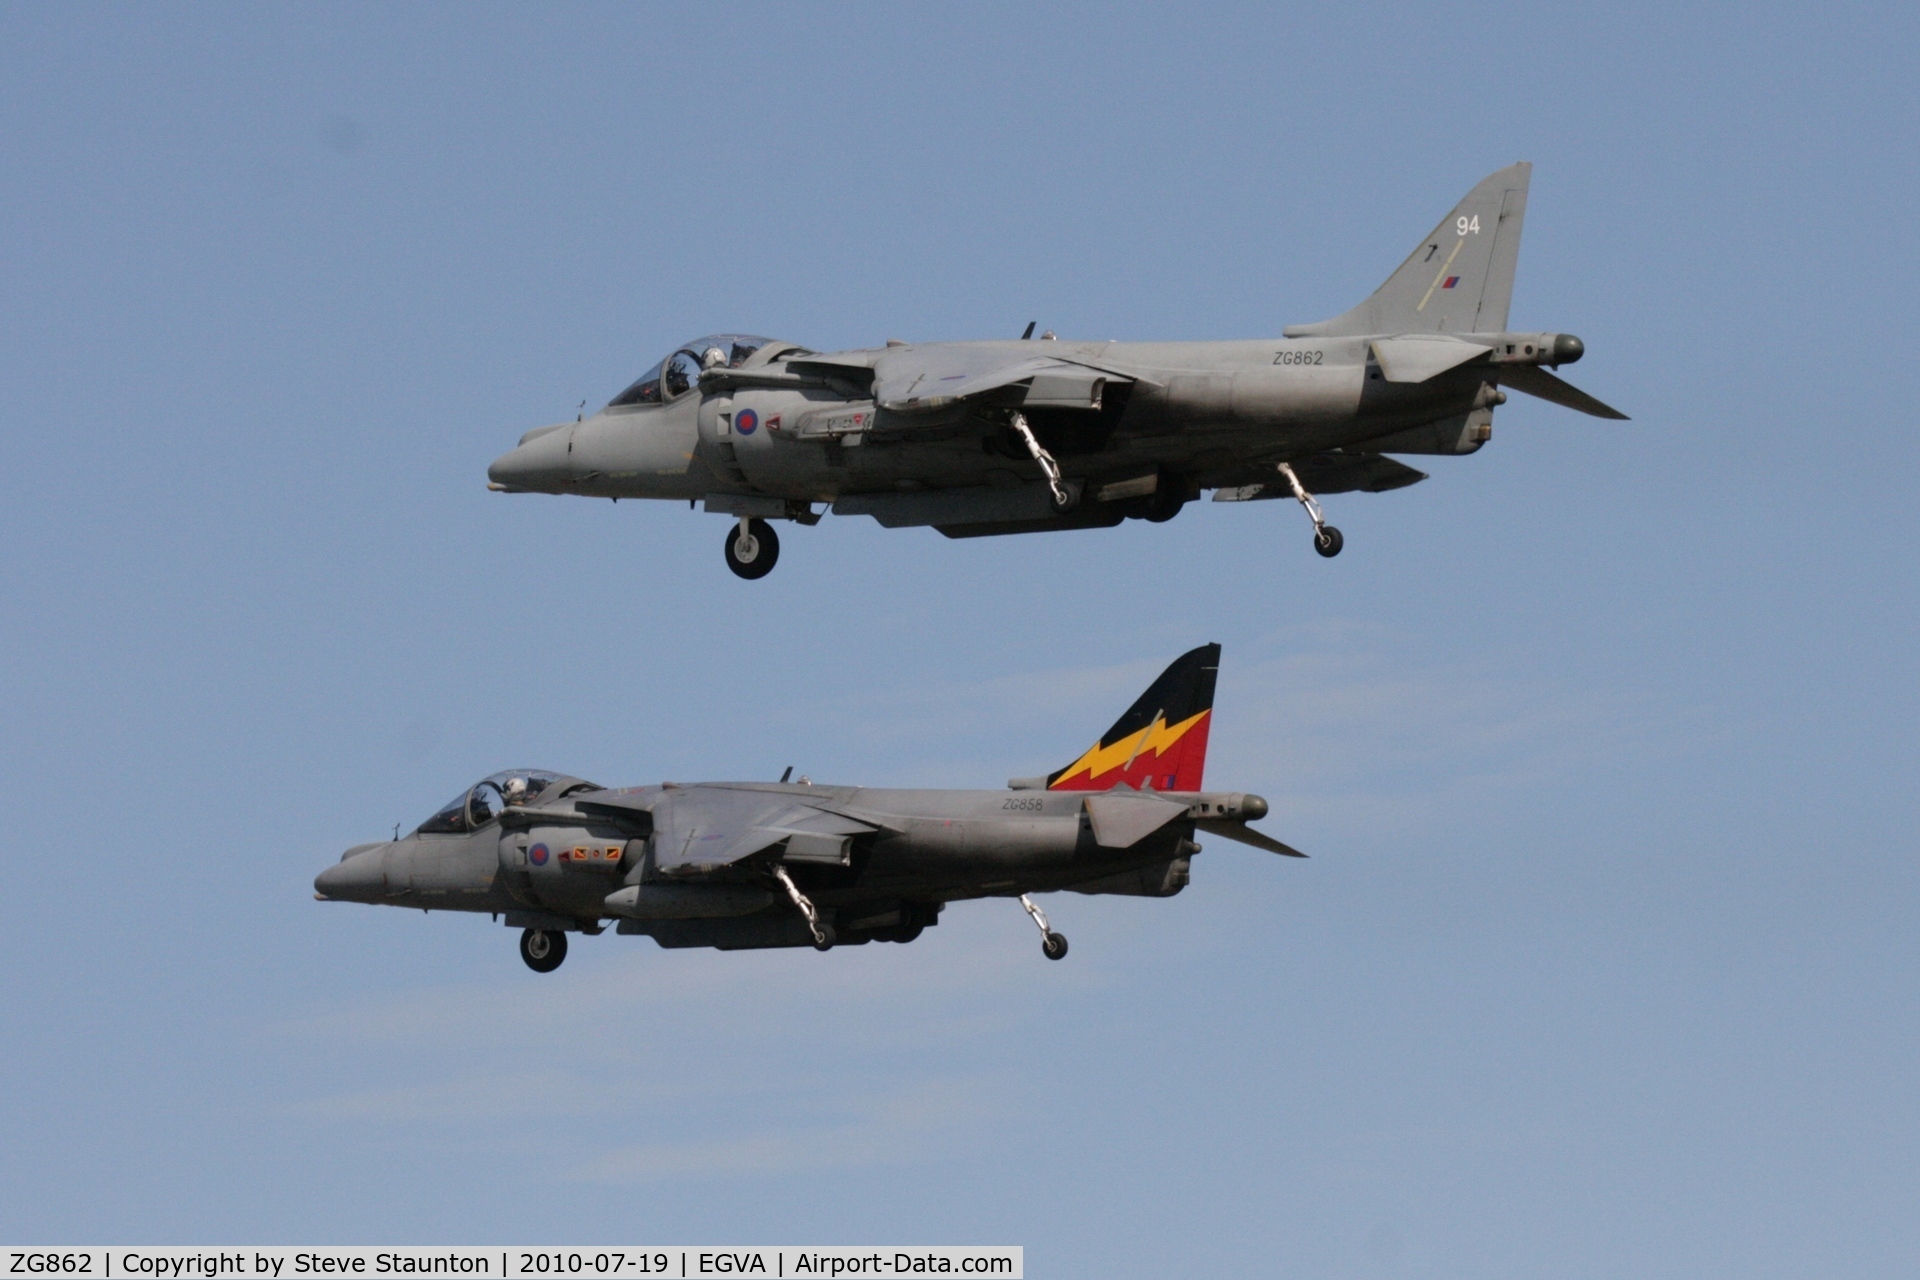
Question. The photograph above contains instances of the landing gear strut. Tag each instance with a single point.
(1326, 539)
(822, 932)
(1062, 497)
(543, 949)
(752, 548)
(1052, 945)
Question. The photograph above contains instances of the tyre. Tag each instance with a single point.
(543, 949)
(1327, 541)
(1167, 499)
(1055, 946)
(754, 555)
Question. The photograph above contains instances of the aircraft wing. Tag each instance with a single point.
(912, 379)
(700, 830)
(1335, 472)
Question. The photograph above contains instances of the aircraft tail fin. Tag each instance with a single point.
(1160, 744)
(1459, 279)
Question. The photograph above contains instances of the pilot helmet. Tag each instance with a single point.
(516, 792)
(713, 358)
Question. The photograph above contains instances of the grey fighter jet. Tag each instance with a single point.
(738, 865)
(979, 438)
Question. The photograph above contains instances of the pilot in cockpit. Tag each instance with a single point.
(516, 792)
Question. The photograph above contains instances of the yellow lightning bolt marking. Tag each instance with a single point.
(1156, 737)
(1443, 272)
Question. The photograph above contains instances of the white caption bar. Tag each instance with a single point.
(515, 1262)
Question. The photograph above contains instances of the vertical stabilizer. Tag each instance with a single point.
(1459, 279)
(1160, 744)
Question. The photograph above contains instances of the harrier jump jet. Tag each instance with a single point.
(981, 438)
(739, 865)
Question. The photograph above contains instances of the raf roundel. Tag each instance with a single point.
(538, 855)
(745, 421)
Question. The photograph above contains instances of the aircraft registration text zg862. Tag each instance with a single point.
(605, 1264)
(1300, 357)
(51, 1264)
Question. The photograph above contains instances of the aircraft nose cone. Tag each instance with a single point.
(540, 462)
(360, 876)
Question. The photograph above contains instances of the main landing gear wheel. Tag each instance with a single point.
(1052, 945)
(752, 548)
(1169, 495)
(1326, 539)
(543, 949)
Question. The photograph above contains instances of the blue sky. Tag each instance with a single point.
(1603, 740)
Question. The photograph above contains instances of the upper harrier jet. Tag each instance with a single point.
(978, 438)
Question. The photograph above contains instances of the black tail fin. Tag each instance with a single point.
(1161, 743)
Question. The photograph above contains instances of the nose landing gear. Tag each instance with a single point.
(543, 949)
(1052, 945)
(752, 548)
(1326, 539)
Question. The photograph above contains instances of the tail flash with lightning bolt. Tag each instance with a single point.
(1160, 744)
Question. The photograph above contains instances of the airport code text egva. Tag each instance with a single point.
(281, 1263)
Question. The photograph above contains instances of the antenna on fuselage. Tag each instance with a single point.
(787, 774)
(1029, 332)
(580, 412)
(396, 832)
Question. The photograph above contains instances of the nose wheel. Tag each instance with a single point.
(1326, 539)
(1052, 945)
(752, 548)
(543, 949)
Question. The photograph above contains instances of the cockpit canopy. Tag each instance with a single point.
(677, 374)
(483, 801)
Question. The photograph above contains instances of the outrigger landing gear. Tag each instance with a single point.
(1052, 945)
(822, 933)
(543, 949)
(1061, 498)
(752, 548)
(1326, 539)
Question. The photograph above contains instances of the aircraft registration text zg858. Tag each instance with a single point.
(1300, 357)
(606, 1264)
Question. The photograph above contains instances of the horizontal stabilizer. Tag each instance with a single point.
(1536, 381)
(1122, 819)
(1247, 835)
(1416, 358)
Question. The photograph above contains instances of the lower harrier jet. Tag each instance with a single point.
(979, 438)
(738, 865)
